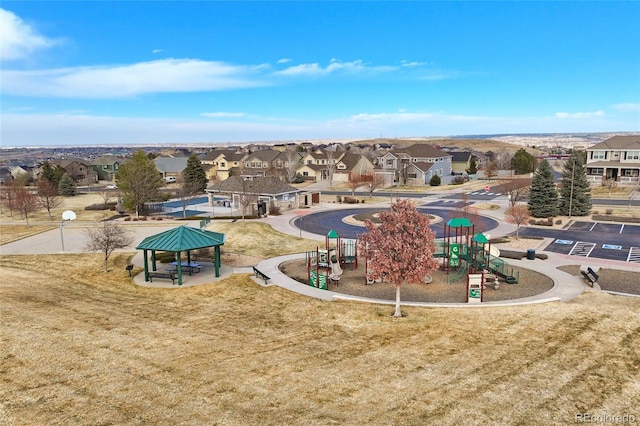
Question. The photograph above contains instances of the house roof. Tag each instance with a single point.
(423, 151)
(351, 160)
(461, 156)
(265, 155)
(182, 238)
(619, 142)
(259, 185)
(106, 160)
(170, 164)
(423, 166)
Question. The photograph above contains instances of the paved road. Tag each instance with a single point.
(322, 222)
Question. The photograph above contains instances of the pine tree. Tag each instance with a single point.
(543, 196)
(522, 162)
(67, 187)
(473, 166)
(194, 175)
(575, 194)
(52, 174)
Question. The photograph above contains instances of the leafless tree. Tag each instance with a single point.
(518, 215)
(331, 163)
(372, 182)
(503, 159)
(247, 197)
(491, 170)
(107, 195)
(9, 196)
(291, 163)
(25, 203)
(106, 237)
(517, 190)
(48, 196)
(355, 181)
(610, 184)
(186, 191)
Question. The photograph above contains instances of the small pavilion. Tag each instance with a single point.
(179, 240)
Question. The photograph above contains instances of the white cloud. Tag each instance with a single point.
(169, 75)
(154, 51)
(627, 106)
(579, 114)
(334, 66)
(411, 64)
(19, 39)
(222, 114)
(284, 60)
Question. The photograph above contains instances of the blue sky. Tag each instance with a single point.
(186, 72)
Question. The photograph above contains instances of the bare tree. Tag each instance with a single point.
(491, 170)
(187, 190)
(107, 195)
(247, 196)
(372, 182)
(610, 184)
(48, 196)
(355, 181)
(25, 203)
(331, 163)
(291, 163)
(517, 215)
(9, 196)
(503, 159)
(517, 190)
(106, 237)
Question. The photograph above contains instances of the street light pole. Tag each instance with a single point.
(573, 169)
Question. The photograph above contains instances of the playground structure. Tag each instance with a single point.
(324, 265)
(467, 253)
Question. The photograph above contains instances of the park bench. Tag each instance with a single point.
(261, 275)
(159, 274)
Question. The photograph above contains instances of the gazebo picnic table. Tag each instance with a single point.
(180, 240)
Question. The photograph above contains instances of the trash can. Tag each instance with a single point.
(531, 254)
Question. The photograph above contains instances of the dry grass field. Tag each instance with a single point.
(81, 346)
(76, 203)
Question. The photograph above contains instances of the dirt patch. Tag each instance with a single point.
(439, 290)
(611, 279)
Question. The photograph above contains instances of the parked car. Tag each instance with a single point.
(112, 186)
(170, 179)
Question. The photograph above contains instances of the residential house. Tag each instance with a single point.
(617, 158)
(260, 163)
(79, 170)
(271, 191)
(170, 166)
(395, 168)
(106, 167)
(223, 160)
(352, 163)
(5, 175)
(318, 164)
(461, 161)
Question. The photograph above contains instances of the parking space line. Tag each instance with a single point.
(634, 255)
(582, 248)
(593, 226)
(621, 228)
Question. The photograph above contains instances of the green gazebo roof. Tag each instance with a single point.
(457, 222)
(182, 238)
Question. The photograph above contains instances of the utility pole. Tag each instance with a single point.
(573, 169)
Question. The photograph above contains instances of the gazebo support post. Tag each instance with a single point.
(179, 266)
(153, 261)
(189, 257)
(146, 266)
(216, 261)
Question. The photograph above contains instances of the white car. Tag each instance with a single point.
(112, 186)
(170, 179)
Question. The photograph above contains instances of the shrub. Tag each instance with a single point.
(609, 211)
(350, 200)
(274, 210)
(559, 222)
(298, 179)
(435, 181)
(458, 180)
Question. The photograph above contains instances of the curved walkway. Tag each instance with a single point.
(566, 286)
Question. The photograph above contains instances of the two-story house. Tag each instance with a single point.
(106, 167)
(222, 161)
(414, 165)
(80, 170)
(617, 158)
(318, 164)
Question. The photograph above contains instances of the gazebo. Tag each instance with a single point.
(179, 240)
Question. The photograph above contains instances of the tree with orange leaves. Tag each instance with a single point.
(400, 248)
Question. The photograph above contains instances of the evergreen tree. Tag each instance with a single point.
(194, 175)
(139, 181)
(543, 196)
(67, 187)
(473, 166)
(575, 194)
(52, 174)
(522, 162)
